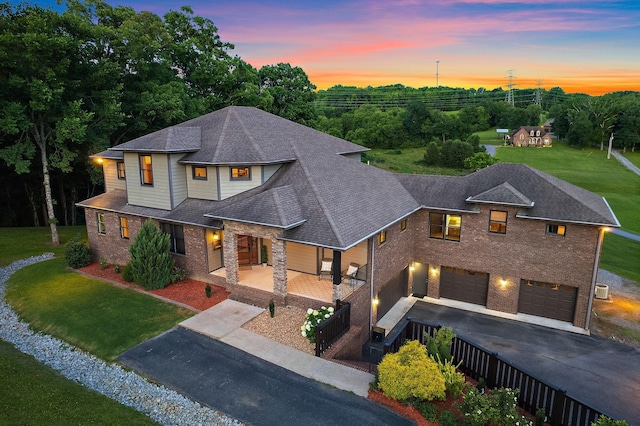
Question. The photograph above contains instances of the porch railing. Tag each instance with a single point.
(331, 329)
(560, 408)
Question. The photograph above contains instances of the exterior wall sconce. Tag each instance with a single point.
(434, 271)
(375, 301)
(503, 283)
(412, 268)
(99, 160)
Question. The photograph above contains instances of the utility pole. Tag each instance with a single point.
(437, 64)
(509, 98)
(610, 143)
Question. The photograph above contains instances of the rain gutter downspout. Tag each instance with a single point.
(373, 258)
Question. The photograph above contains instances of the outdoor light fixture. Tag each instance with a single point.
(99, 160)
(503, 283)
(434, 271)
(411, 268)
(375, 301)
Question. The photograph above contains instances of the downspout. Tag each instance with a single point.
(373, 258)
(594, 276)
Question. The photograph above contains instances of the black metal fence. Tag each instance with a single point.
(331, 329)
(560, 408)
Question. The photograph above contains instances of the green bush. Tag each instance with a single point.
(429, 410)
(606, 421)
(312, 318)
(207, 291)
(151, 262)
(411, 373)
(496, 407)
(453, 380)
(440, 344)
(77, 254)
(448, 419)
(103, 263)
(127, 275)
(272, 308)
(177, 274)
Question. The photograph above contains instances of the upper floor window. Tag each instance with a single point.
(445, 226)
(521, 136)
(403, 225)
(146, 170)
(498, 222)
(537, 132)
(382, 237)
(120, 167)
(176, 232)
(531, 133)
(199, 172)
(556, 230)
(102, 229)
(240, 173)
(124, 227)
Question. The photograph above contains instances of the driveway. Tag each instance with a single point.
(597, 371)
(246, 387)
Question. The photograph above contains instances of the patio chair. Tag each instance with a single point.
(326, 269)
(350, 273)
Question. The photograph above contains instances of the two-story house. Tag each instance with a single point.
(507, 238)
(532, 136)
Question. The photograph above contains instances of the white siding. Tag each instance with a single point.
(178, 179)
(203, 189)
(268, 171)
(229, 188)
(111, 181)
(302, 258)
(156, 195)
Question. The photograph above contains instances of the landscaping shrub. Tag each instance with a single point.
(440, 344)
(453, 380)
(103, 263)
(151, 262)
(497, 407)
(272, 308)
(429, 410)
(77, 254)
(177, 274)
(606, 421)
(127, 275)
(411, 373)
(207, 291)
(447, 418)
(312, 319)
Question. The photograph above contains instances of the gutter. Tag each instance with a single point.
(594, 277)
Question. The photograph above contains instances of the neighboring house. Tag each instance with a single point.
(532, 136)
(506, 238)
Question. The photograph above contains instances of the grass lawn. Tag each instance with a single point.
(34, 241)
(34, 394)
(90, 314)
(491, 137)
(407, 160)
(634, 157)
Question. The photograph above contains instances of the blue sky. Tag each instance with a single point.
(581, 46)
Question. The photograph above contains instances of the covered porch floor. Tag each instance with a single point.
(298, 283)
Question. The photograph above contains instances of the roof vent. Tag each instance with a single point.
(602, 291)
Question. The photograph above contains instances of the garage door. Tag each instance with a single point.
(547, 300)
(392, 291)
(464, 285)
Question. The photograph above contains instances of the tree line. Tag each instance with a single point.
(77, 81)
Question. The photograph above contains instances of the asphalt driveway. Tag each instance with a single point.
(597, 371)
(246, 387)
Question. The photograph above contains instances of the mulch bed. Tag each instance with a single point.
(189, 291)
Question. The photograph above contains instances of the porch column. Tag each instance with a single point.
(336, 270)
(230, 248)
(279, 260)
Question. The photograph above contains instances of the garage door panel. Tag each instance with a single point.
(464, 285)
(555, 301)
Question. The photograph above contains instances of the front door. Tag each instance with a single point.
(419, 279)
(247, 250)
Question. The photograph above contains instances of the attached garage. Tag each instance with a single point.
(392, 291)
(555, 301)
(464, 285)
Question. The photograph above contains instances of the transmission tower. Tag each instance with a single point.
(509, 98)
(538, 100)
(437, 64)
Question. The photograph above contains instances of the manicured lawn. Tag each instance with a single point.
(621, 256)
(491, 137)
(407, 160)
(88, 313)
(34, 394)
(634, 157)
(20, 243)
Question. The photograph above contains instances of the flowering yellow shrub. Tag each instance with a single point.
(411, 373)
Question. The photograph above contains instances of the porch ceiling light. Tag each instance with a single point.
(99, 160)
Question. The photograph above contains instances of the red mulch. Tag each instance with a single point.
(189, 291)
(413, 413)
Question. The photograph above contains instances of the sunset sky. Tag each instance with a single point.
(581, 46)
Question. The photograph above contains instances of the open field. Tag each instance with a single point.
(490, 137)
(20, 243)
(407, 160)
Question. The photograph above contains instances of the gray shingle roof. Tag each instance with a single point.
(552, 198)
(172, 139)
(502, 194)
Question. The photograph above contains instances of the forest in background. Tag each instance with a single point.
(79, 81)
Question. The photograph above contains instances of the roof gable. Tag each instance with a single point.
(502, 194)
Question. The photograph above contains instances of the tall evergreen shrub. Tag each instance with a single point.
(151, 262)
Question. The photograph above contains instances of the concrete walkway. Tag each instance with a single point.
(628, 164)
(224, 322)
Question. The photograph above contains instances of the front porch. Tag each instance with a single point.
(300, 284)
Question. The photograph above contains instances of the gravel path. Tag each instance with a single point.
(163, 405)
